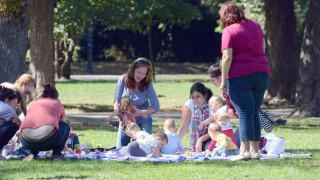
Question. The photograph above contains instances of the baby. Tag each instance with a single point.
(223, 146)
(144, 143)
(174, 142)
(126, 109)
(221, 115)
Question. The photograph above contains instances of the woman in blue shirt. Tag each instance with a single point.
(137, 84)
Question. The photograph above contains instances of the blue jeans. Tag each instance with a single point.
(124, 140)
(246, 94)
(56, 142)
(7, 131)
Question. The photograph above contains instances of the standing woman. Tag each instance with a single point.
(137, 84)
(245, 73)
(24, 85)
(44, 127)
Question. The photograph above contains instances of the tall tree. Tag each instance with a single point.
(14, 42)
(308, 99)
(41, 37)
(282, 50)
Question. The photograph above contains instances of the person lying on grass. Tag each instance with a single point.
(144, 143)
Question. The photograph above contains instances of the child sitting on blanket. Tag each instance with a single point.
(72, 141)
(219, 112)
(125, 109)
(224, 145)
(174, 142)
(144, 143)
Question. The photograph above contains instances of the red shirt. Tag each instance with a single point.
(246, 41)
(46, 111)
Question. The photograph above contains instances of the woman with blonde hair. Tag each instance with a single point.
(24, 85)
(137, 84)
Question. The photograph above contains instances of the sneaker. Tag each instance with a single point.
(255, 156)
(242, 157)
(58, 157)
(30, 157)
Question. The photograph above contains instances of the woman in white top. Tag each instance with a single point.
(195, 111)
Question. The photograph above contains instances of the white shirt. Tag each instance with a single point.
(6, 112)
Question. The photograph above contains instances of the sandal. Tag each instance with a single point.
(242, 157)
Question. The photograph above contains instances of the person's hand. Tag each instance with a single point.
(108, 119)
(16, 121)
(116, 106)
(199, 145)
(224, 117)
(214, 150)
(200, 127)
(223, 87)
(231, 112)
(144, 113)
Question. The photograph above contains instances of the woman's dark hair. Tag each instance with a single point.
(214, 70)
(47, 90)
(230, 14)
(201, 88)
(6, 93)
(144, 83)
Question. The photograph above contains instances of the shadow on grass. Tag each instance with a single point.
(90, 107)
(65, 177)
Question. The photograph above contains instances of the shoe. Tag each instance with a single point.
(255, 156)
(31, 157)
(58, 157)
(2, 158)
(242, 157)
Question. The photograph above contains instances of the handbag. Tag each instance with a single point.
(266, 120)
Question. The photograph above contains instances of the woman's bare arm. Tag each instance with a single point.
(185, 121)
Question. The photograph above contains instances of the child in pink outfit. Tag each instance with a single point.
(125, 110)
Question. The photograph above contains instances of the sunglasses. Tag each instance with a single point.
(144, 62)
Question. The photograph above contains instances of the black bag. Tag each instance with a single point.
(266, 120)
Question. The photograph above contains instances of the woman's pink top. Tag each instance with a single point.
(246, 41)
(46, 111)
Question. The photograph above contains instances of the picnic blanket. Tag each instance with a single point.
(119, 155)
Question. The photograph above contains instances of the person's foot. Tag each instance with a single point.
(255, 156)
(58, 157)
(242, 157)
(30, 157)
(2, 158)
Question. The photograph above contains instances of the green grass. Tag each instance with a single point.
(301, 136)
(98, 96)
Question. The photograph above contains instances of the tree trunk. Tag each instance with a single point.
(282, 50)
(14, 44)
(149, 31)
(42, 46)
(66, 66)
(308, 96)
(58, 56)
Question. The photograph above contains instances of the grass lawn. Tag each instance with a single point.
(301, 136)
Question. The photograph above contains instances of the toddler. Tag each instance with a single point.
(144, 143)
(223, 146)
(219, 114)
(72, 141)
(125, 109)
(174, 142)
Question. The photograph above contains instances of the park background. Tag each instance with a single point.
(56, 40)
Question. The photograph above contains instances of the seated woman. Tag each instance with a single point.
(24, 85)
(44, 127)
(194, 112)
(9, 121)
